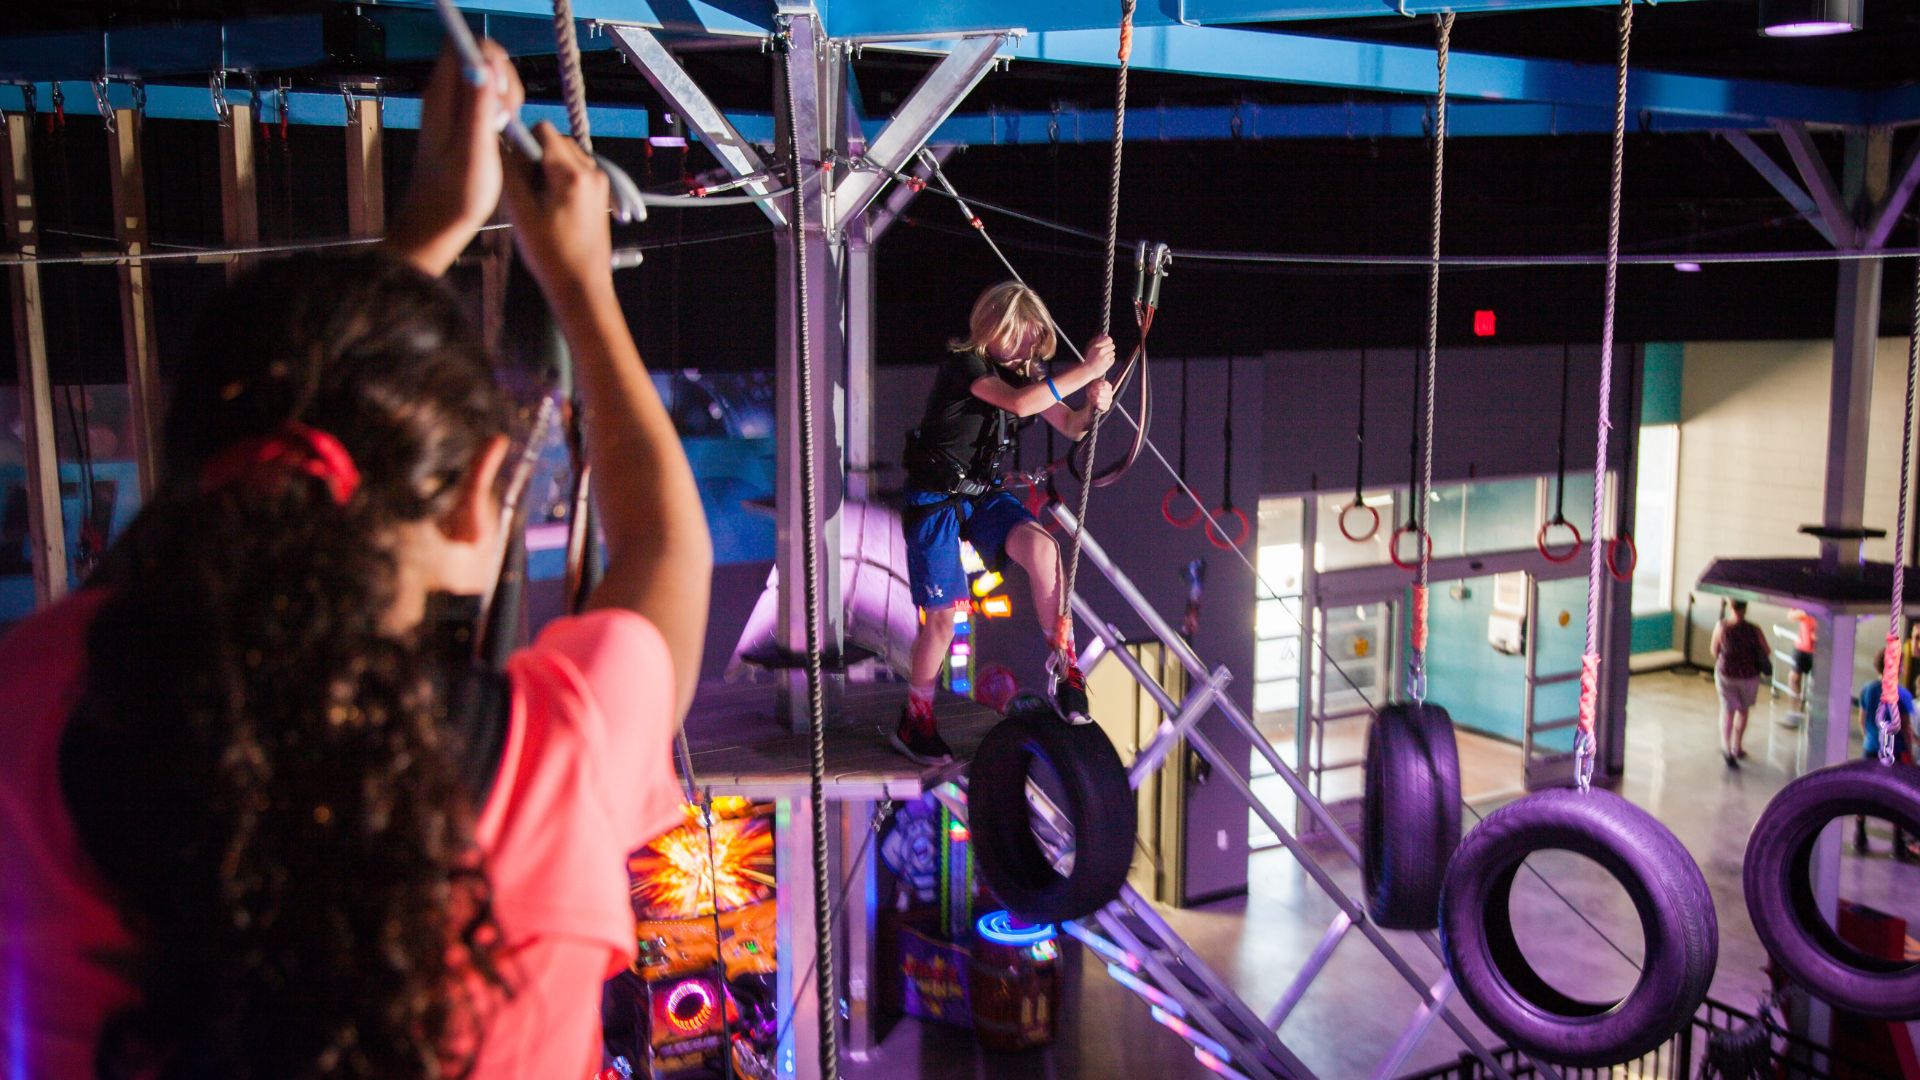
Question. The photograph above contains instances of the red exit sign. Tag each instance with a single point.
(1483, 323)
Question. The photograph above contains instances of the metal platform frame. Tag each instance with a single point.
(1145, 954)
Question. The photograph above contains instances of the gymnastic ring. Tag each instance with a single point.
(1786, 915)
(1091, 790)
(1614, 546)
(1411, 813)
(1218, 538)
(1359, 537)
(1540, 541)
(1668, 892)
(1393, 546)
(1166, 509)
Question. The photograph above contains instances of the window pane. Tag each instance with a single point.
(1656, 465)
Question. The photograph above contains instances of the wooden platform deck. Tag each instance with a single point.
(740, 748)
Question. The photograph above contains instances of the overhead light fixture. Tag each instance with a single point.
(1687, 267)
(1811, 18)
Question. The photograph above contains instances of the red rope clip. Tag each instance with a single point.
(915, 183)
(1373, 527)
(977, 223)
(1166, 510)
(1540, 541)
(1218, 539)
(1393, 546)
(1614, 546)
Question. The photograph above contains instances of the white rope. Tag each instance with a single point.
(1890, 718)
(1586, 744)
(1417, 658)
(1106, 313)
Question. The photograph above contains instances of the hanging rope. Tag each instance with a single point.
(1359, 503)
(1622, 542)
(1216, 532)
(1586, 746)
(1417, 662)
(810, 571)
(1172, 496)
(1106, 309)
(1559, 518)
(573, 84)
(1889, 717)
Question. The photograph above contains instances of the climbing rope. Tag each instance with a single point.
(1586, 746)
(573, 84)
(1417, 661)
(1889, 716)
(810, 585)
(1106, 312)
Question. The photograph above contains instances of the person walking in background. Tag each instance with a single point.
(1870, 749)
(1740, 658)
(1803, 644)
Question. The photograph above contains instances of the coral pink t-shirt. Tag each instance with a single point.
(586, 776)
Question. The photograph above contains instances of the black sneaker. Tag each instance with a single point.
(1070, 696)
(918, 739)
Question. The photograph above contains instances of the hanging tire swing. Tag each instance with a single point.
(1411, 799)
(1776, 875)
(1668, 892)
(1088, 784)
(1411, 814)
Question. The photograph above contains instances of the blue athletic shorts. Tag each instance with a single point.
(934, 534)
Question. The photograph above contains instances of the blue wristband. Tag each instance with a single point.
(1055, 389)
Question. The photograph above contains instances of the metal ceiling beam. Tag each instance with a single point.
(692, 104)
(320, 108)
(1819, 182)
(1262, 56)
(930, 103)
(1771, 171)
(751, 18)
(933, 18)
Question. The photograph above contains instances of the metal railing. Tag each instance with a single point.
(1683, 1057)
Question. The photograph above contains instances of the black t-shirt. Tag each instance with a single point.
(961, 427)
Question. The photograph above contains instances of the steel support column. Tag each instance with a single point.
(128, 181)
(813, 68)
(797, 1057)
(21, 212)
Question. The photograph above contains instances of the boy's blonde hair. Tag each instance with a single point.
(1001, 314)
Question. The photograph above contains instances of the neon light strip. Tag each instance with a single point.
(1107, 949)
(997, 927)
(1185, 1030)
(1215, 1064)
(1146, 991)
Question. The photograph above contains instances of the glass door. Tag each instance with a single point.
(1555, 630)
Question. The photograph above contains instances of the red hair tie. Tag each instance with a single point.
(293, 447)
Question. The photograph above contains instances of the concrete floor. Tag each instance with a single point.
(1357, 1008)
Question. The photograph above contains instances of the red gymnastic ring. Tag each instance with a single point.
(1221, 514)
(1166, 510)
(1393, 545)
(1540, 541)
(1372, 530)
(1614, 546)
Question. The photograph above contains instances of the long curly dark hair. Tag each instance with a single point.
(264, 775)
